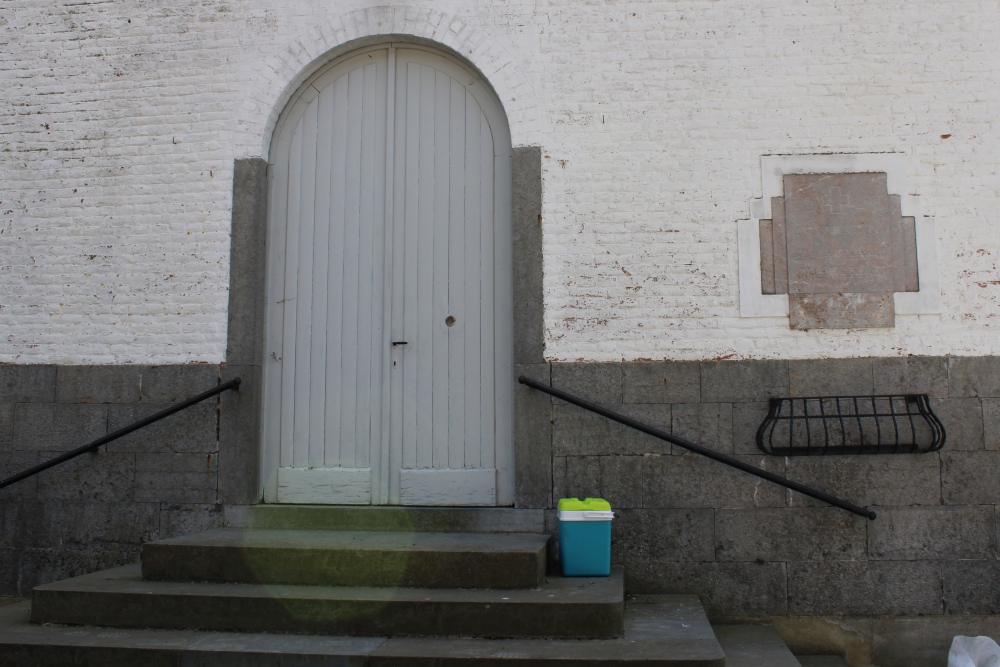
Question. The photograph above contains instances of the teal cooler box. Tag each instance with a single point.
(585, 537)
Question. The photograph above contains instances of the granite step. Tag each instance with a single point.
(580, 607)
(821, 661)
(660, 631)
(754, 646)
(395, 519)
(350, 558)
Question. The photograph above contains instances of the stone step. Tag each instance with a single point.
(754, 646)
(350, 558)
(396, 519)
(660, 631)
(563, 607)
(821, 661)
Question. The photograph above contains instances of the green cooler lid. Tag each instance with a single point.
(575, 504)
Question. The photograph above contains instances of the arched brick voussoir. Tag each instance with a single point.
(270, 86)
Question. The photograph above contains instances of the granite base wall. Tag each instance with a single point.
(686, 524)
(94, 512)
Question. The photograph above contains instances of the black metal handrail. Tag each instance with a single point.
(698, 449)
(231, 384)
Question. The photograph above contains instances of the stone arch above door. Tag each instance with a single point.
(272, 85)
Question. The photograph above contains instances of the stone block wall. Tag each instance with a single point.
(751, 548)
(95, 511)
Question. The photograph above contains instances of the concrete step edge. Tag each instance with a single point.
(120, 598)
(753, 646)
(680, 642)
(372, 518)
(341, 558)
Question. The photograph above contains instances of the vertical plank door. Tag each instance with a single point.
(390, 223)
(324, 407)
(447, 265)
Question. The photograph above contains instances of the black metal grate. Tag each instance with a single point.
(850, 425)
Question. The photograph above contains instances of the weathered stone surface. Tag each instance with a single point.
(247, 253)
(969, 478)
(911, 375)
(18, 519)
(695, 481)
(57, 427)
(12, 463)
(922, 641)
(176, 487)
(788, 534)
(617, 479)
(350, 558)
(974, 376)
(23, 383)
(393, 518)
(101, 476)
(576, 431)
(932, 533)
(743, 381)
(581, 607)
(596, 382)
(533, 474)
(726, 589)
(526, 174)
(991, 423)
(239, 436)
(176, 462)
(963, 422)
(707, 424)
(848, 310)
(972, 586)
(897, 479)
(42, 566)
(841, 235)
(97, 384)
(830, 377)
(754, 645)
(87, 524)
(10, 570)
(766, 233)
(661, 382)
(662, 534)
(191, 430)
(864, 588)
(179, 519)
(6, 427)
(747, 418)
(163, 385)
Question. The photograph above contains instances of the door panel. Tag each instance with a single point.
(332, 351)
(444, 262)
(390, 222)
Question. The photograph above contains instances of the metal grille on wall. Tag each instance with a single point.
(850, 425)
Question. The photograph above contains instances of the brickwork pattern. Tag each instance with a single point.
(93, 512)
(686, 524)
(120, 122)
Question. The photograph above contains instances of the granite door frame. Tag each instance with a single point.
(240, 443)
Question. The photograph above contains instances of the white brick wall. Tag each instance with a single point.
(120, 121)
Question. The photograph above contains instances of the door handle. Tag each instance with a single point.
(398, 342)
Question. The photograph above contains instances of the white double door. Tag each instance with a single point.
(387, 377)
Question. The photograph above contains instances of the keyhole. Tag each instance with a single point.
(450, 320)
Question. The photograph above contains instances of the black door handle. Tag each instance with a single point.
(398, 342)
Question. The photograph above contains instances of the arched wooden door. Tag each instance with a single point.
(387, 377)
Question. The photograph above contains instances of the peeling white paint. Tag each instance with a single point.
(120, 122)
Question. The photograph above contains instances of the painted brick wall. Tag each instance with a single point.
(120, 122)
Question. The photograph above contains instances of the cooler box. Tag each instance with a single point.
(585, 537)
